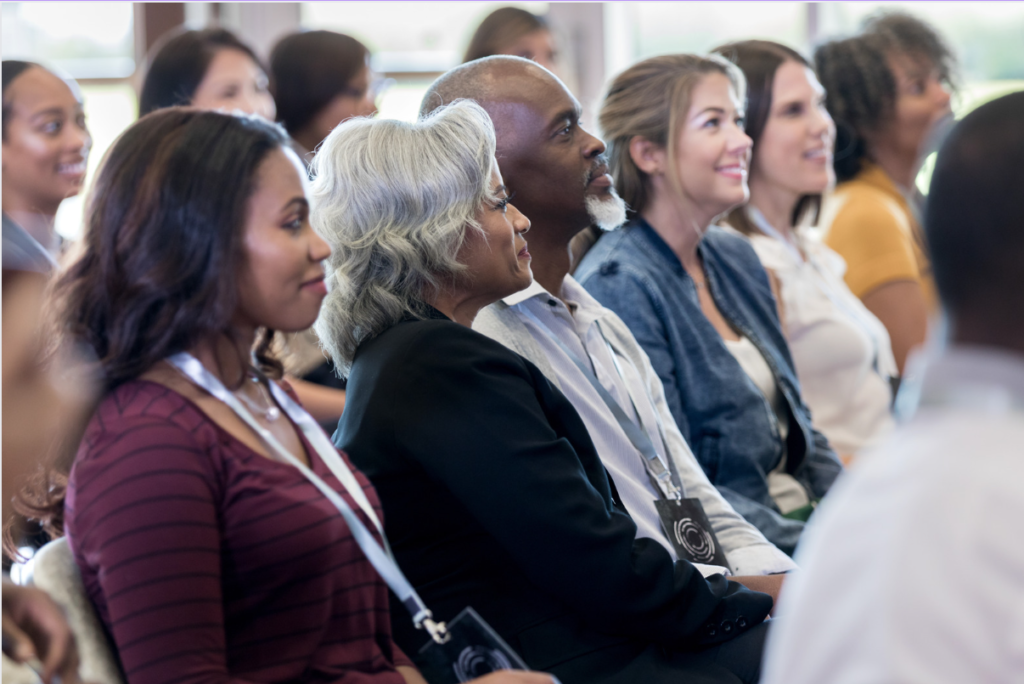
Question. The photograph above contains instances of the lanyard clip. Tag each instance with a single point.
(668, 486)
(438, 631)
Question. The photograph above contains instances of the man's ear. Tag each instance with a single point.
(648, 156)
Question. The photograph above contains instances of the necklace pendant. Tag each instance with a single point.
(273, 413)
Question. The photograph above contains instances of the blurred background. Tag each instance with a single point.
(103, 44)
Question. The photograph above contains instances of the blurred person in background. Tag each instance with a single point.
(514, 31)
(842, 352)
(321, 78)
(210, 69)
(888, 89)
(45, 150)
(913, 569)
(697, 298)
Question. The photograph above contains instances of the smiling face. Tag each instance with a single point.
(712, 150)
(794, 153)
(46, 144)
(233, 81)
(496, 257)
(281, 284)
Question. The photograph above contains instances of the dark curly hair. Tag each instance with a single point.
(759, 60)
(860, 85)
(157, 271)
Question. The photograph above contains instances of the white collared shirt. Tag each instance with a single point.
(746, 548)
(913, 565)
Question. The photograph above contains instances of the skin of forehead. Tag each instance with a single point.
(512, 91)
(37, 88)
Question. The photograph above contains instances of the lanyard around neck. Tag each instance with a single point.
(665, 480)
(380, 557)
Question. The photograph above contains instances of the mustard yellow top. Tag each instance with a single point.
(869, 223)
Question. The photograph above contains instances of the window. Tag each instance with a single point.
(412, 42)
(84, 39)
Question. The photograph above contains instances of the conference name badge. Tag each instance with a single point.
(688, 528)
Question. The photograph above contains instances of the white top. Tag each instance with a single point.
(842, 352)
(787, 493)
(913, 565)
(747, 550)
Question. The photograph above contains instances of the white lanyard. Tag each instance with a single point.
(666, 480)
(379, 557)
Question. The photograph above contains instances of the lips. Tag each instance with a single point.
(818, 154)
(599, 177)
(736, 171)
(317, 285)
(524, 253)
(74, 169)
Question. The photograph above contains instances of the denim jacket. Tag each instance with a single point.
(721, 413)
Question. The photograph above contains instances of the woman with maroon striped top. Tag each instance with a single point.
(208, 560)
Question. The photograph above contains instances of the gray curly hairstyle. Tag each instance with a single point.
(395, 200)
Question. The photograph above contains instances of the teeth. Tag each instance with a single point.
(72, 168)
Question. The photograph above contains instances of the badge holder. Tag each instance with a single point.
(468, 649)
(462, 650)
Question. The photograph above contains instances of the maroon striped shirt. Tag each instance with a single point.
(210, 563)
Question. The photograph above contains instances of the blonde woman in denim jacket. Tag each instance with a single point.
(697, 299)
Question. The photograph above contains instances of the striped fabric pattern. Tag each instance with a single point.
(208, 562)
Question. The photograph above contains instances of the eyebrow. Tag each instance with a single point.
(572, 115)
(301, 201)
(52, 111)
(501, 188)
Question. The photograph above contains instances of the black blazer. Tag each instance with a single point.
(494, 497)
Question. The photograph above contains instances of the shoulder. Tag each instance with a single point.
(143, 430)
(730, 245)
(417, 350)
(735, 254)
(863, 209)
(141, 407)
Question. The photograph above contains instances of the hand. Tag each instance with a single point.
(34, 627)
(766, 584)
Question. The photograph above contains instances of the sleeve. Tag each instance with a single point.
(746, 549)
(873, 237)
(146, 518)
(565, 535)
(638, 307)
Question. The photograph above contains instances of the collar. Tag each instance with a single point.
(978, 378)
(584, 308)
(872, 174)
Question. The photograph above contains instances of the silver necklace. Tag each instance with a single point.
(268, 409)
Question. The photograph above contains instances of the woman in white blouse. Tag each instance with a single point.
(842, 353)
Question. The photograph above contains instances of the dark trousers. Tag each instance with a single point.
(737, 661)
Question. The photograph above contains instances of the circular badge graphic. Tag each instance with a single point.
(476, 661)
(695, 539)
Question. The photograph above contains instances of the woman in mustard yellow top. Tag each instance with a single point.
(887, 90)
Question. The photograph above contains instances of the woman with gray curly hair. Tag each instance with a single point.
(493, 493)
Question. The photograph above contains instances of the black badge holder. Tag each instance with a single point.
(469, 649)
